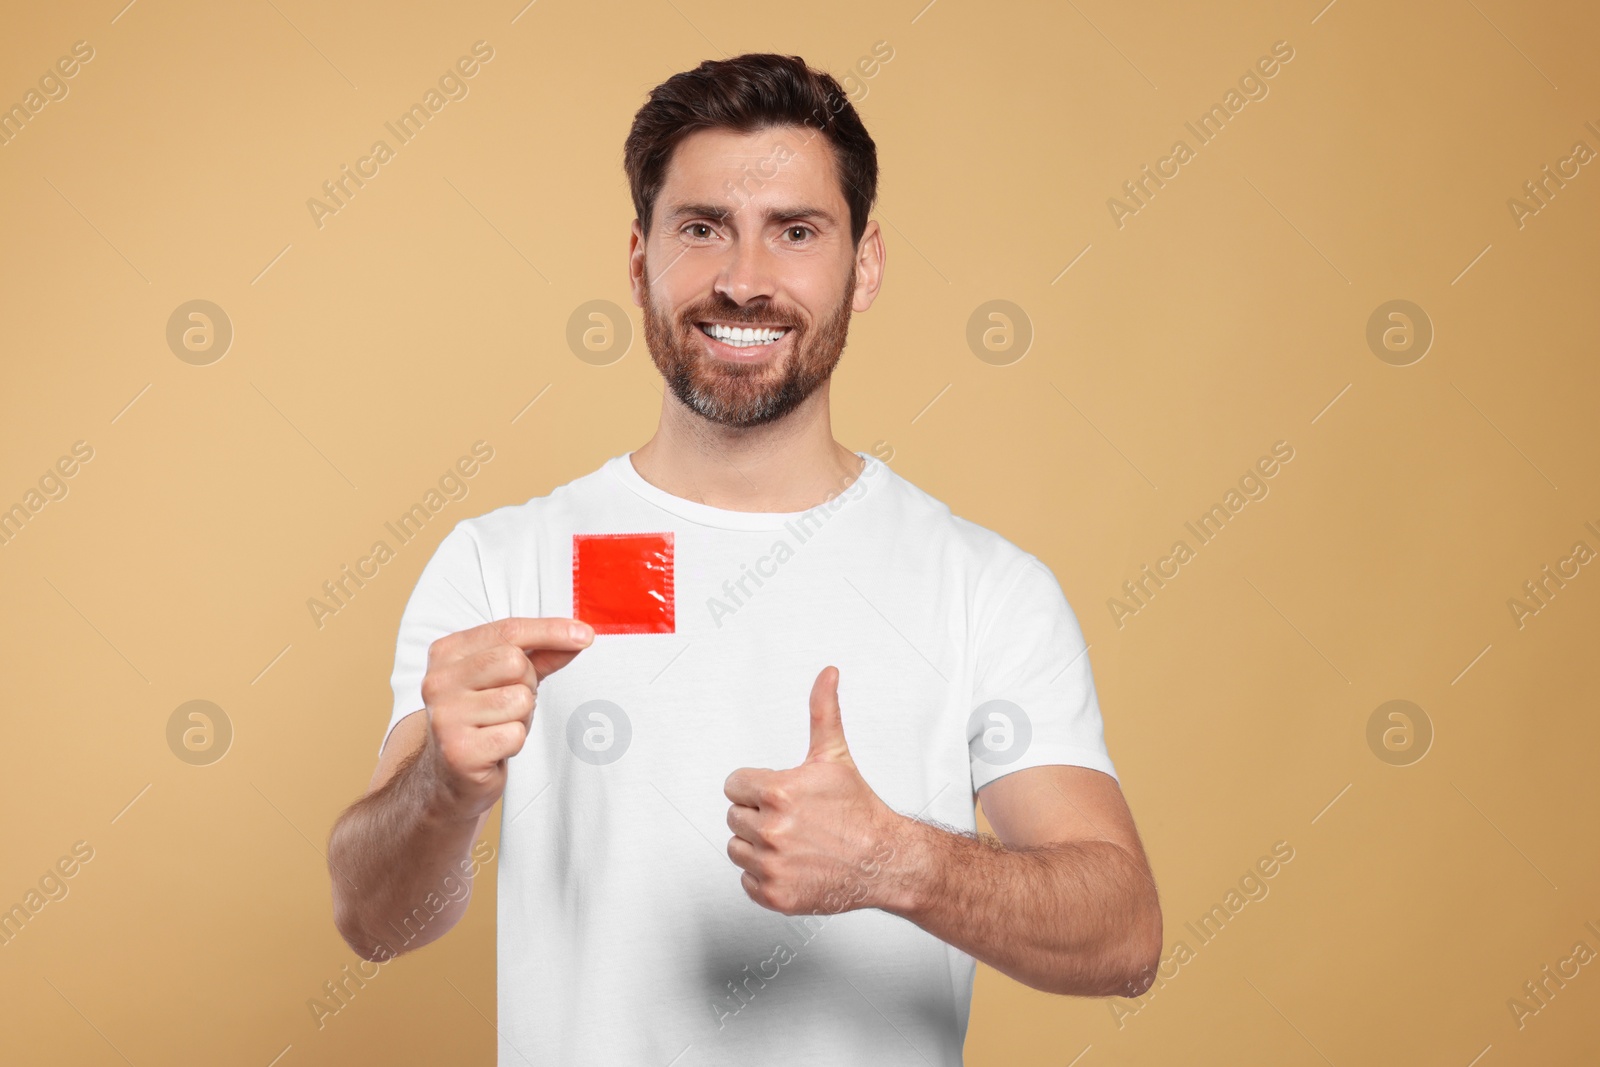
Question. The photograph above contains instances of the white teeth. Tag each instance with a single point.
(745, 337)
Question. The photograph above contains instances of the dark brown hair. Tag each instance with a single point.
(747, 93)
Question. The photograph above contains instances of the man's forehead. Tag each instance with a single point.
(797, 153)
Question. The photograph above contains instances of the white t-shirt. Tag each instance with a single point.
(625, 936)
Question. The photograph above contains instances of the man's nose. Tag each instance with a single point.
(749, 272)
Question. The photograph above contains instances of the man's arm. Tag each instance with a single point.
(1064, 901)
(397, 856)
(396, 846)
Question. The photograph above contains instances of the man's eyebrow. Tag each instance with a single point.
(811, 214)
(700, 211)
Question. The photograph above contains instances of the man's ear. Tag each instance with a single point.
(869, 266)
(636, 276)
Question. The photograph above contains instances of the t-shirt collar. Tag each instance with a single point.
(622, 468)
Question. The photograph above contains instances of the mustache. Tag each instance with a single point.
(725, 310)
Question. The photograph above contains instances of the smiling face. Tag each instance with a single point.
(748, 275)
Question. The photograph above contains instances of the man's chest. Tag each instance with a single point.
(755, 617)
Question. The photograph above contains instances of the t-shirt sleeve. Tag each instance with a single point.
(1034, 701)
(449, 596)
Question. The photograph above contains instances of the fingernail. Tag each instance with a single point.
(580, 631)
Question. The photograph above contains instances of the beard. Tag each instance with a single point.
(742, 395)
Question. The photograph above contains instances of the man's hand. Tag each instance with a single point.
(812, 840)
(480, 691)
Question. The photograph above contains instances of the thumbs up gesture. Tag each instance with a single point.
(814, 839)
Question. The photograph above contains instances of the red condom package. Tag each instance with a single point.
(622, 582)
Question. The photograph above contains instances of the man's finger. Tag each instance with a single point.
(742, 855)
(527, 633)
(488, 707)
(827, 727)
(549, 643)
(547, 661)
(742, 821)
(744, 786)
(500, 741)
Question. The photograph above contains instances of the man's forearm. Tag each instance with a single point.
(1074, 918)
(398, 862)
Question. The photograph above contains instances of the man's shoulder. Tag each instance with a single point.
(510, 524)
(935, 524)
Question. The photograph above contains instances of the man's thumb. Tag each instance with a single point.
(827, 728)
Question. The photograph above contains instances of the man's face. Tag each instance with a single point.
(749, 231)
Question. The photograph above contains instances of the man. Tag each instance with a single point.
(744, 627)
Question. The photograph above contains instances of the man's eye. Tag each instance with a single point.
(694, 227)
(801, 230)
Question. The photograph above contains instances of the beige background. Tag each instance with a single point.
(1228, 314)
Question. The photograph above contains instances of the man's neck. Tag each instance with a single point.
(789, 465)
